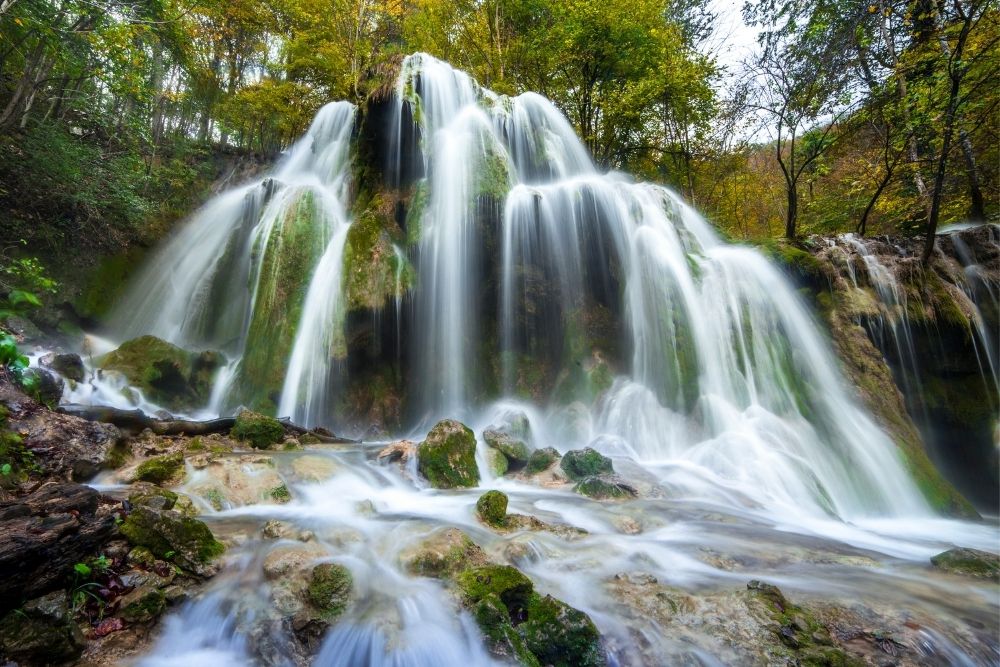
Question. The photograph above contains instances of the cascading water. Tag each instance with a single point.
(600, 312)
(264, 255)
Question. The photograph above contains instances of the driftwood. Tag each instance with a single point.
(133, 421)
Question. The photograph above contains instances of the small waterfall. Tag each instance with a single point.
(263, 256)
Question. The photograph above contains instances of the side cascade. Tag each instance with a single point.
(256, 273)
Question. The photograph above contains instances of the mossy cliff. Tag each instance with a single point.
(934, 318)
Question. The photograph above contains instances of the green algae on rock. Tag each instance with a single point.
(587, 462)
(161, 469)
(172, 536)
(969, 562)
(329, 589)
(447, 456)
(542, 459)
(260, 431)
(492, 507)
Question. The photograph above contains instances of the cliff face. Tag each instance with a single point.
(919, 344)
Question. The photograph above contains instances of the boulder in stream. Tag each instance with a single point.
(447, 457)
(969, 562)
(579, 464)
(173, 536)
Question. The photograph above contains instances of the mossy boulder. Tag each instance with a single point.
(41, 632)
(605, 487)
(560, 635)
(447, 457)
(172, 536)
(969, 562)
(492, 507)
(579, 464)
(161, 469)
(444, 554)
(69, 365)
(166, 374)
(259, 431)
(542, 459)
(497, 462)
(515, 450)
(329, 589)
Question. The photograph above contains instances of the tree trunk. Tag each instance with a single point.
(977, 208)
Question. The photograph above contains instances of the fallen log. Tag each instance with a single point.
(134, 421)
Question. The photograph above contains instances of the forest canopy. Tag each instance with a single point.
(875, 117)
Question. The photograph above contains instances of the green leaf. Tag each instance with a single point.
(6, 469)
(19, 297)
(82, 569)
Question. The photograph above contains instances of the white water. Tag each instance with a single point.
(723, 401)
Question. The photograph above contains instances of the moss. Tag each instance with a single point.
(17, 462)
(969, 562)
(800, 630)
(497, 462)
(447, 457)
(507, 583)
(329, 589)
(215, 498)
(604, 487)
(560, 635)
(148, 607)
(196, 445)
(154, 497)
(296, 243)
(493, 174)
(280, 494)
(160, 469)
(446, 554)
(492, 508)
(415, 213)
(542, 459)
(514, 449)
(188, 541)
(805, 267)
(502, 639)
(371, 264)
(587, 462)
(260, 431)
(106, 283)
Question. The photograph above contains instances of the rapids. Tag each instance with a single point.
(711, 386)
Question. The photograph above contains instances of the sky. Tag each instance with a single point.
(733, 40)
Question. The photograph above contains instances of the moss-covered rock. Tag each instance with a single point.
(542, 459)
(492, 507)
(161, 469)
(171, 536)
(969, 562)
(800, 630)
(497, 462)
(579, 464)
(560, 635)
(329, 589)
(69, 365)
(373, 271)
(517, 623)
(166, 374)
(515, 450)
(142, 605)
(605, 487)
(154, 497)
(41, 632)
(447, 457)
(259, 431)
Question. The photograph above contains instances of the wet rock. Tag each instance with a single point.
(48, 387)
(969, 562)
(314, 468)
(579, 464)
(173, 536)
(259, 431)
(142, 605)
(605, 487)
(492, 508)
(41, 632)
(558, 634)
(542, 459)
(444, 553)
(497, 462)
(44, 536)
(154, 497)
(241, 481)
(167, 374)
(447, 457)
(515, 450)
(70, 366)
(329, 589)
(62, 445)
(401, 451)
(161, 469)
